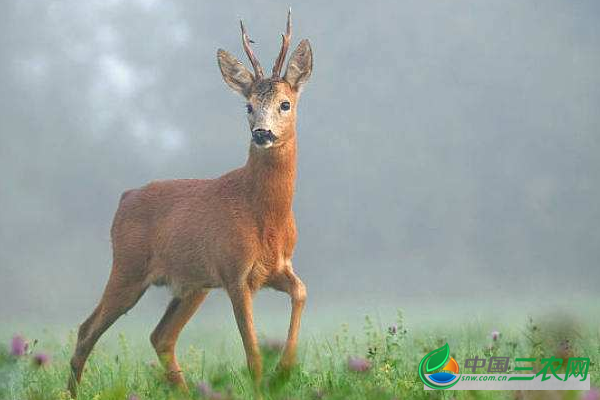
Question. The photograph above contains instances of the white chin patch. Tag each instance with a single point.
(265, 145)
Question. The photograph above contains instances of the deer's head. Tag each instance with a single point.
(271, 101)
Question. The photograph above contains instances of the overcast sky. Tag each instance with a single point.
(447, 149)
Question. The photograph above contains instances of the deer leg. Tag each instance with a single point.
(121, 293)
(165, 335)
(241, 299)
(290, 283)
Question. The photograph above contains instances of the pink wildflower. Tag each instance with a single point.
(358, 364)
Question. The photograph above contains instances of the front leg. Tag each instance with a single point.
(241, 299)
(290, 283)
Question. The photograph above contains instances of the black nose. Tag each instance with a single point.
(262, 136)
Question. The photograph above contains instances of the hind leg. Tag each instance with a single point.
(121, 293)
(167, 331)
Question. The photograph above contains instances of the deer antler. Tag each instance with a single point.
(285, 44)
(258, 71)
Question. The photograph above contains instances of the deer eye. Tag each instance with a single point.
(249, 108)
(285, 106)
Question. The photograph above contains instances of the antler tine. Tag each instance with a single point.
(258, 71)
(285, 44)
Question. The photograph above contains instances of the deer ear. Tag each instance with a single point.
(300, 65)
(235, 74)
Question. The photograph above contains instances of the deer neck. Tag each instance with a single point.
(270, 179)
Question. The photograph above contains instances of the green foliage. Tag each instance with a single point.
(393, 353)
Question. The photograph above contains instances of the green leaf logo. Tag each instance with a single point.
(437, 358)
(434, 361)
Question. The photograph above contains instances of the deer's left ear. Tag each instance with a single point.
(234, 73)
(299, 67)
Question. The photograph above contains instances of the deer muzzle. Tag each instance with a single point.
(263, 138)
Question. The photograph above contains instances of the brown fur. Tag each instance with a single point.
(235, 232)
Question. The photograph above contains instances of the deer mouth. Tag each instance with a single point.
(263, 138)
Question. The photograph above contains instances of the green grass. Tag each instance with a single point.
(116, 373)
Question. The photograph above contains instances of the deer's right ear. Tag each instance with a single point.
(235, 74)
(299, 66)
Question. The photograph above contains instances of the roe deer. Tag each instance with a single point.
(235, 232)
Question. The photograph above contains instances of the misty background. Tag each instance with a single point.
(448, 151)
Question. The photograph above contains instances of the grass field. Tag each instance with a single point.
(377, 361)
